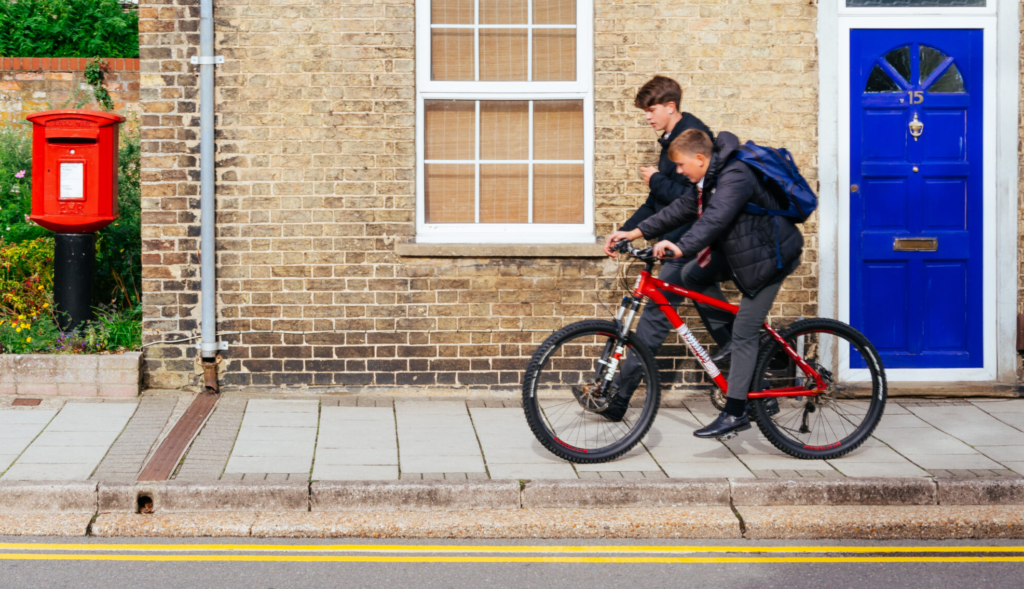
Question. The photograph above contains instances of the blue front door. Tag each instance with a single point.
(916, 195)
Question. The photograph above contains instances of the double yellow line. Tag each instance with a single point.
(397, 553)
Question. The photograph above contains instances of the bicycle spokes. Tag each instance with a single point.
(823, 419)
(579, 387)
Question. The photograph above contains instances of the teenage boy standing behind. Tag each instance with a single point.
(659, 99)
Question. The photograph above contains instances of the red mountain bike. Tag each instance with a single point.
(796, 401)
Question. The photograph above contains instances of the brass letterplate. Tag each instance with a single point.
(915, 244)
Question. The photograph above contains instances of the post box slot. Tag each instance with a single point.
(71, 140)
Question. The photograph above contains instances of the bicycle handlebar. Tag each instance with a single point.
(644, 255)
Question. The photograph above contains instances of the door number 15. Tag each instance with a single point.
(916, 97)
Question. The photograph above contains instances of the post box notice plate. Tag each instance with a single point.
(72, 180)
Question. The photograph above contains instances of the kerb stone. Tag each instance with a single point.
(624, 493)
(981, 491)
(849, 491)
(181, 497)
(47, 497)
(413, 496)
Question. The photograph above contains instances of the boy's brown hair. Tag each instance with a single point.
(691, 142)
(658, 90)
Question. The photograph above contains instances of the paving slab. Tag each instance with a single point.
(434, 436)
(510, 448)
(879, 469)
(953, 461)
(1002, 454)
(56, 455)
(703, 470)
(971, 425)
(356, 443)
(18, 429)
(276, 436)
(354, 472)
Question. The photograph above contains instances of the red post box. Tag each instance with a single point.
(74, 169)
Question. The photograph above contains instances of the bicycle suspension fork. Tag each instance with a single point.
(614, 348)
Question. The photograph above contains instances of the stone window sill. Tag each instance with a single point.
(411, 249)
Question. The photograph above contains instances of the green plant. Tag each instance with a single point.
(26, 334)
(68, 28)
(114, 329)
(118, 275)
(94, 76)
(26, 276)
(16, 184)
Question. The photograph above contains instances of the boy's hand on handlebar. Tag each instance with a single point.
(614, 238)
(667, 249)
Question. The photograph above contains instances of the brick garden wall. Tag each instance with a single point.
(315, 185)
(29, 85)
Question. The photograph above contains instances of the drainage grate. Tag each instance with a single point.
(166, 457)
(26, 402)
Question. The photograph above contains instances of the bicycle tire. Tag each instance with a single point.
(534, 379)
(782, 437)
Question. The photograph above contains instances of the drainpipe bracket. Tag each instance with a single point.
(212, 348)
(207, 59)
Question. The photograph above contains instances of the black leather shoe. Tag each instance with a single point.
(725, 424)
(724, 355)
(616, 409)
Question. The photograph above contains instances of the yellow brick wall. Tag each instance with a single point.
(315, 185)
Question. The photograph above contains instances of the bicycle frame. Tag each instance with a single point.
(651, 287)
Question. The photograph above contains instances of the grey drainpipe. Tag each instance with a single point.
(209, 345)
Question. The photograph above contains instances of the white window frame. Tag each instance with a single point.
(580, 89)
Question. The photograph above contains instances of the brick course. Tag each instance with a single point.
(315, 186)
(29, 85)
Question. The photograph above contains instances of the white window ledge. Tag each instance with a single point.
(411, 249)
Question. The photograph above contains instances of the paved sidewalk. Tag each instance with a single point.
(345, 437)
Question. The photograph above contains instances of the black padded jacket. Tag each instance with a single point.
(748, 241)
(666, 184)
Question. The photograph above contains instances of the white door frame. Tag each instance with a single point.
(1001, 25)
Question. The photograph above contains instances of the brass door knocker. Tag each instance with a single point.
(916, 127)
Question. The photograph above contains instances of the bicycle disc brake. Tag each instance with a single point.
(589, 397)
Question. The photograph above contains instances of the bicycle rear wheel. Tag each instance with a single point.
(834, 422)
(564, 402)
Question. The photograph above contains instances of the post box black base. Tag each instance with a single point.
(74, 258)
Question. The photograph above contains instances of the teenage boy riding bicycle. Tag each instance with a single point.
(759, 250)
(659, 99)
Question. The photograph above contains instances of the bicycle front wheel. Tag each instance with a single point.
(566, 404)
(834, 422)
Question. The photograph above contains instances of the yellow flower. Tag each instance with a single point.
(21, 316)
(45, 305)
(26, 326)
(17, 330)
(28, 340)
(40, 287)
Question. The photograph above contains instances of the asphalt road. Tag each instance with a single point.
(251, 563)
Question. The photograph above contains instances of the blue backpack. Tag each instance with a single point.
(780, 176)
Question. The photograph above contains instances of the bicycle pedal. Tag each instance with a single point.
(727, 436)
